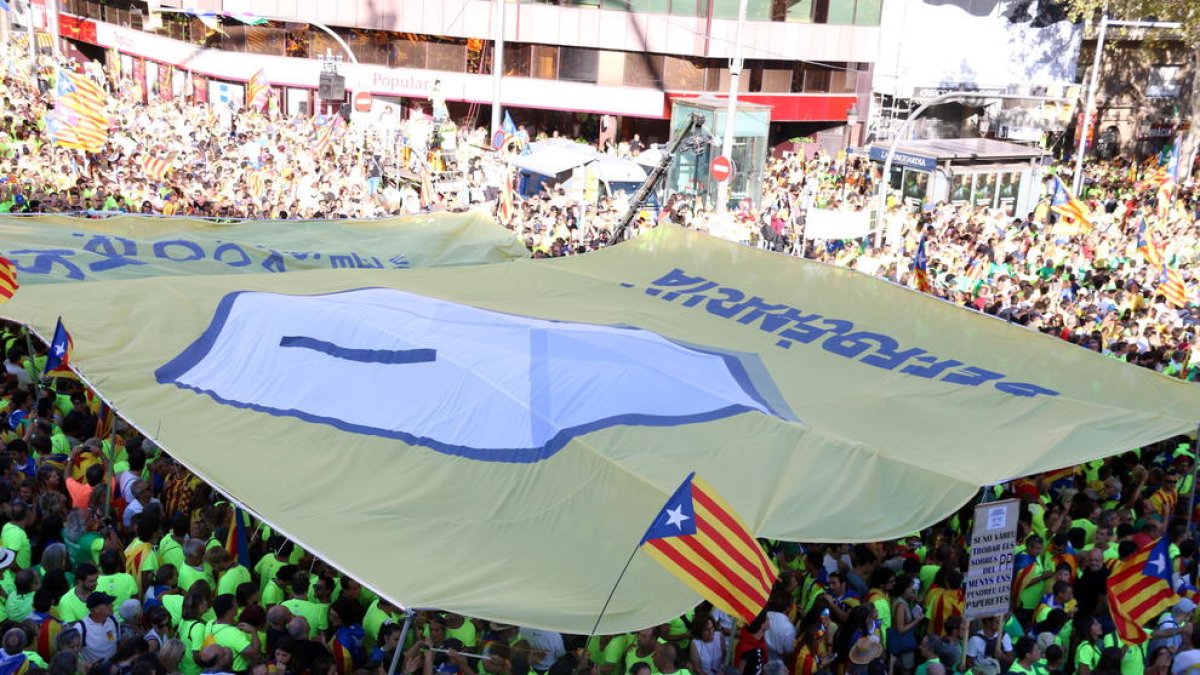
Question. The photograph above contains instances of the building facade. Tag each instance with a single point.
(586, 65)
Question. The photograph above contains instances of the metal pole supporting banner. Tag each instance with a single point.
(1191, 498)
(1085, 124)
(497, 63)
(735, 76)
(408, 619)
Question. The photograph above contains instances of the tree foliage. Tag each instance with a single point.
(1186, 12)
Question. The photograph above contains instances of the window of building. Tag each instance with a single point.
(450, 56)
(578, 64)
(408, 51)
(545, 62)
(849, 12)
(793, 11)
(517, 59)
(643, 70)
(684, 74)
(641, 6)
(612, 69)
(698, 8)
(814, 80)
(843, 81)
(756, 10)
(1164, 82)
(776, 80)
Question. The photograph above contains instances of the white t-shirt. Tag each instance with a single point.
(99, 639)
(780, 636)
(976, 646)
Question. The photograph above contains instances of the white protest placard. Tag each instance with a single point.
(989, 576)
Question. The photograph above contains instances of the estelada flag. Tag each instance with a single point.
(921, 268)
(8, 280)
(1139, 590)
(58, 362)
(699, 538)
(1067, 205)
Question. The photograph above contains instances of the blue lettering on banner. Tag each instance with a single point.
(793, 326)
(99, 254)
(106, 247)
(238, 255)
(44, 261)
(191, 250)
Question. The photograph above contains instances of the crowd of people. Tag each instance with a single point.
(116, 559)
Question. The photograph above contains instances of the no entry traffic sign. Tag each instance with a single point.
(721, 169)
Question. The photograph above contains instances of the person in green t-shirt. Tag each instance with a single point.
(113, 579)
(241, 639)
(1088, 644)
(13, 534)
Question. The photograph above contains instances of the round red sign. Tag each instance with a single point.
(721, 169)
(363, 101)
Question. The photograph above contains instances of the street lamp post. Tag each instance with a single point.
(851, 120)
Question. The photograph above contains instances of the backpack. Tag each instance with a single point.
(78, 625)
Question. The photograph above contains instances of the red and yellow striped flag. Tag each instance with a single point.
(157, 168)
(1139, 591)
(258, 89)
(8, 279)
(1173, 288)
(699, 538)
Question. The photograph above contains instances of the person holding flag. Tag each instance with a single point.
(1028, 579)
(921, 268)
(1067, 205)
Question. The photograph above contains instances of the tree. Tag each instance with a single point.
(1183, 11)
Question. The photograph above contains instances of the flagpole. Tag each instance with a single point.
(612, 592)
(408, 619)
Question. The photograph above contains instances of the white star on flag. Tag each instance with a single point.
(1158, 563)
(675, 517)
(58, 350)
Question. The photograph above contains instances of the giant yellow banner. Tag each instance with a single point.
(495, 439)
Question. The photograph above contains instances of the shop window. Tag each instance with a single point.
(578, 64)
